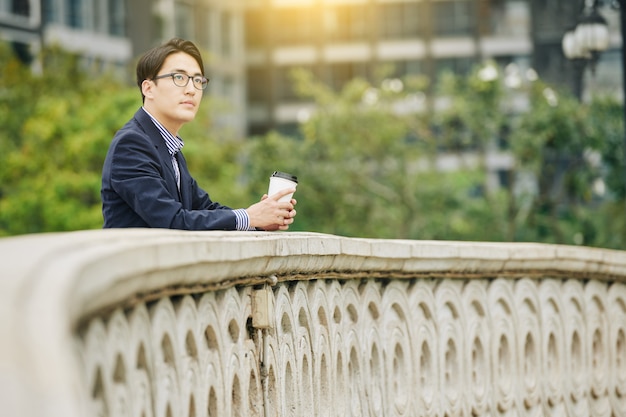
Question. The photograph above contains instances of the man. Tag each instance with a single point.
(145, 180)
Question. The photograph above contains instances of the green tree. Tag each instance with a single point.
(473, 115)
(556, 143)
(58, 128)
(365, 156)
(365, 165)
(366, 169)
(607, 120)
(60, 123)
(472, 121)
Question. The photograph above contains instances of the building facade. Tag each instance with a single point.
(341, 39)
(94, 29)
(253, 45)
(20, 25)
(113, 33)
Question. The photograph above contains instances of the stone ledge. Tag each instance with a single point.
(100, 267)
(51, 281)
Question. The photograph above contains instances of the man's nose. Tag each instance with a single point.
(189, 88)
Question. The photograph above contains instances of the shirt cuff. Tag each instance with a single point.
(242, 220)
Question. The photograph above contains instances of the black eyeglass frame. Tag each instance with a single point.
(185, 79)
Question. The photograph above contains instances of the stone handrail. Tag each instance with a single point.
(170, 323)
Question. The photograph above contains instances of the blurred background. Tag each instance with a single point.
(419, 119)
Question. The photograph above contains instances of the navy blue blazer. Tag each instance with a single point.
(139, 185)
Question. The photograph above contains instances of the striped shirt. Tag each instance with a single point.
(174, 145)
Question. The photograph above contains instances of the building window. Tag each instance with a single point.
(512, 18)
(184, 20)
(203, 36)
(225, 87)
(459, 66)
(20, 7)
(454, 18)
(226, 33)
(229, 89)
(255, 28)
(407, 67)
(284, 88)
(285, 84)
(294, 25)
(76, 14)
(51, 12)
(341, 74)
(399, 20)
(108, 17)
(258, 85)
(346, 23)
(81, 14)
(117, 17)
(15, 7)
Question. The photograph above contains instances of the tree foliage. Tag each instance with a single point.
(367, 157)
(58, 126)
(369, 171)
(568, 149)
(366, 166)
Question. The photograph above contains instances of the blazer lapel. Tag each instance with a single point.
(185, 181)
(165, 158)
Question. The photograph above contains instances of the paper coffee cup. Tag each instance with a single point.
(280, 181)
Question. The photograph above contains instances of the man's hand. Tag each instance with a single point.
(271, 214)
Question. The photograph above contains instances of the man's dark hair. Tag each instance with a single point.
(151, 62)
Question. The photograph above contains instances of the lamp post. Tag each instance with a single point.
(589, 38)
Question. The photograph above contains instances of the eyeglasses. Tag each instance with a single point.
(181, 80)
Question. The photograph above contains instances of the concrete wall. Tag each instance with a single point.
(169, 323)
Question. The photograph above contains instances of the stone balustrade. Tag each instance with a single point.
(166, 323)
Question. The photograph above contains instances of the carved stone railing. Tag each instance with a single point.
(166, 324)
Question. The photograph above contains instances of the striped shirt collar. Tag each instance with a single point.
(174, 143)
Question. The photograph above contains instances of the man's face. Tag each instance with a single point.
(170, 104)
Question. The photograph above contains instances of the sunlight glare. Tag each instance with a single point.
(294, 2)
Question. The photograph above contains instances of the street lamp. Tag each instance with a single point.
(589, 38)
(584, 42)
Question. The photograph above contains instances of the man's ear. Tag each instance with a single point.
(146, 88)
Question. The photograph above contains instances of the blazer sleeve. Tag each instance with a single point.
(140, 176)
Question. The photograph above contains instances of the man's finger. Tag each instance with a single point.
(282, 193)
